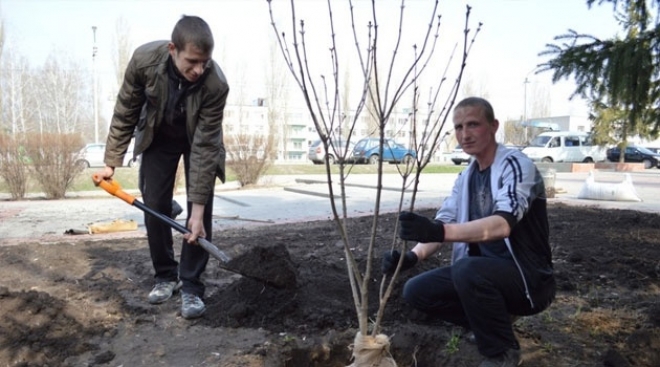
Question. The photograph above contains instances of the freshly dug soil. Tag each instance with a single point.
(83, 302)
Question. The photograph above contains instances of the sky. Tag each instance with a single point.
(504, 54)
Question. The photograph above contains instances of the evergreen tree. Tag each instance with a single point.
(619, 73)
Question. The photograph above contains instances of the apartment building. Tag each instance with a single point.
(294, 130)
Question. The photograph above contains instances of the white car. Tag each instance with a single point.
(564, 146)
(92, 155)
(316, 152)
(458, 156)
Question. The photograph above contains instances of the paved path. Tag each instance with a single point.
(283, 199)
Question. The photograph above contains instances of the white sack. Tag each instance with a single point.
(623, 191)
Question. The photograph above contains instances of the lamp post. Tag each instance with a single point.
(94, 92)
(525, 106)
(525, 82)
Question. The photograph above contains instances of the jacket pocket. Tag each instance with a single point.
(142, 121)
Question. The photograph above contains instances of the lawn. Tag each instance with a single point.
(128, 177)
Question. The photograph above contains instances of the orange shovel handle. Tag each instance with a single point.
(113, 188)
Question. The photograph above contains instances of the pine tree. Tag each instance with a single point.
(619, 73)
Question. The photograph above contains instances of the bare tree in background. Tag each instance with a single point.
(277, 99)
(346, 102)
(474, 86)
(538, 107)
(383, 87)
(2, 47)
(122, 48)
(16, 93)
(44, 112)
(66, 101)
(249, 151)
(13, 167)
(539, 102)
(514, 132)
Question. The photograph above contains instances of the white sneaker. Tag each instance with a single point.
(191, 306)
(163, 291)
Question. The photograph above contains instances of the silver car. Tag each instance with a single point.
(458, 156)
(92, 155)
(317, 153)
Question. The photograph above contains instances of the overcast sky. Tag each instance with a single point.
(504, 54)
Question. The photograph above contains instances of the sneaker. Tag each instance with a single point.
(473, 339)
(510, 358)
(163, 291)
(191, 306)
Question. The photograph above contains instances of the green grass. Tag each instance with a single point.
(312, 169)
(128, 177)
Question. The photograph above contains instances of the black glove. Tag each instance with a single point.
(391, 259)
(413, 227)
(176, 209)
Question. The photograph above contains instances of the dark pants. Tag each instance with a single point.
(478, 293)
(157, 173)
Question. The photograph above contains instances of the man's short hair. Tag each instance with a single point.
(192, 30)
(478, 102)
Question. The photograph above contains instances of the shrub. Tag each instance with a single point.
(13, 165)
(54, 161)
(248, 156)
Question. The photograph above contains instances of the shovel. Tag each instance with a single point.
(282, 272)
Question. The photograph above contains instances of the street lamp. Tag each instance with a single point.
(525, 108)
(94, 92)
(524, 121)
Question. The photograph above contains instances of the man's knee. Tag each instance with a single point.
(410, 291)
(464, 272)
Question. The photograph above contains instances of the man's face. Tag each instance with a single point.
(473, 131)
(191, 62)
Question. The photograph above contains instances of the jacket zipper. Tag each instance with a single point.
(522, 275)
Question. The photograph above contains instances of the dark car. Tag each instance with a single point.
(367, 150)
(635, 154)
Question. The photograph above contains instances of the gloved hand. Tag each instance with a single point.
(413, 227)
(391, 259)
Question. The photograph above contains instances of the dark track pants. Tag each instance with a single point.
(157, 173)
(478, 293)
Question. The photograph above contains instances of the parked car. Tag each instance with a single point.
(635, 154)
(458, 156)
(564, 146)
(129, 160)
(367, 150)
(317, 153)
(92, 155)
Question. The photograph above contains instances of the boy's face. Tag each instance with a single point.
(191, 62)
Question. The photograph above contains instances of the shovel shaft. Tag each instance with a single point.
(112, 187)
(206, 245)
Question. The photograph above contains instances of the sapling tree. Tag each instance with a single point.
(390, 68)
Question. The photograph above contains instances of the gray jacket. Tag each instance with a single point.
(144, 92)
(518, 190)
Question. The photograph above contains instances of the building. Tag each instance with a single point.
(294, 130)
